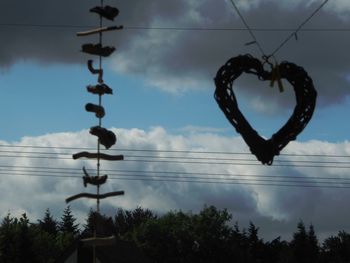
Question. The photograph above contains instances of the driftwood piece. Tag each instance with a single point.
(102, 156)
(107, 11)
(94, 196)
(265, 149)
(97, 49)
(97, 109)
(98, 30)
(106, 137)
(94, 180)
(99, 89)
(95, 71)
(98, 241)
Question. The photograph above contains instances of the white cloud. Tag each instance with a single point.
(276, 210)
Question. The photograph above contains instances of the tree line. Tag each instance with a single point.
(176, 236)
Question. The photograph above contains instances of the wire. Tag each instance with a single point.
(63, 26)
(257, 182)
(170, 151)
(256, 29)
(254, 162)
(187, 157)
(298, 29)
(190, 177)
(188, 160)
(294, 33)
(248, 28)
(51, 170)
(180, 178)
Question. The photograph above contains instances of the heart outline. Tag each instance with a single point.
(305, 93)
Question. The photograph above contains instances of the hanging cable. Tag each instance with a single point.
(293, 34)
(176, 28)
(197, 180)
(179, 157)
(248, 28)
(203, 175)
(172, 151)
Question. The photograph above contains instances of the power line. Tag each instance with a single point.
(170, 151)
(50, 170)
(256, 182)
(175, 28)
(190, 177)
(248, 28)
(283, 42)
(180, 178)
(185, 157)
(215, 161)
(294, 34)
(253, 162)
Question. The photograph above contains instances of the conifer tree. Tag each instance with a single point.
(25, 243)
(48, 224)
(313, 245)
(7, 239)
(67, 224)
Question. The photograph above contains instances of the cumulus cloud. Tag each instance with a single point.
(146, 181)
(178, 60)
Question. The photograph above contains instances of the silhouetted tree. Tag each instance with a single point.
(67, 224)
(173, 237)
(186, 237)
(239, 244)
(277, 251)
(299, 244)
(26, 253)
(8, 246)
(305, 245)
(126, 220)
(48, 224)
(256, 245)
(336, 249)
(313, 246)
(103, 225)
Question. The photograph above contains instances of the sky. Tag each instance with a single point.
(163, 101)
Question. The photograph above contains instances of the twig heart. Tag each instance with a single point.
(265, 149)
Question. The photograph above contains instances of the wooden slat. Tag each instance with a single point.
(98, 30)
(102, 156)
(94, 196)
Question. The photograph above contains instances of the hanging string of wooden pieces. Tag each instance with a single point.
(104, 136)
(266, 149)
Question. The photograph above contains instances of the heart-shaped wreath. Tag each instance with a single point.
(265, 149)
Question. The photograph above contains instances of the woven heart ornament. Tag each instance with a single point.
(305, 93)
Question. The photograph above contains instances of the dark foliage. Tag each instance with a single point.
(67, 224)
(100, 224)
(48, 224)
(208, 236)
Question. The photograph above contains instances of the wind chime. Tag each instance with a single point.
(305, 93)
(105, 137)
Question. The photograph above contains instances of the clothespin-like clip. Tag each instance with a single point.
(296, 36)
(275, 76)
(250, 43)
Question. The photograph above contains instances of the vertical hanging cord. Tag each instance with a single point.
(100, 119)
(98, 148)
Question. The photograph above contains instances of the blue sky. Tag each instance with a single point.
(40, 99)
(163, 99)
